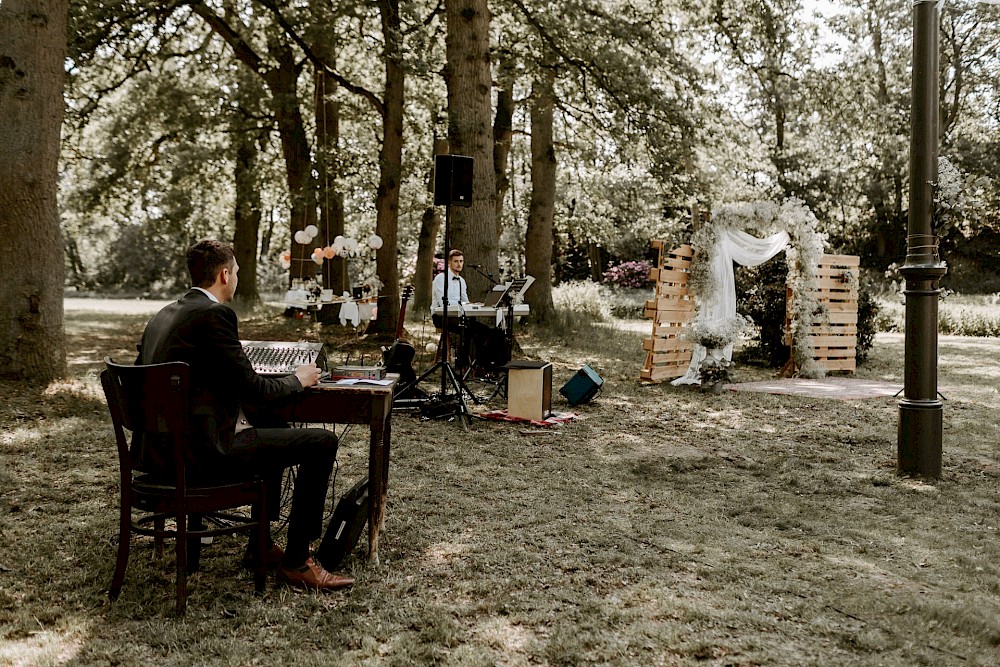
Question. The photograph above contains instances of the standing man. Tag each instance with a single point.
(201, 330)
(473, 332)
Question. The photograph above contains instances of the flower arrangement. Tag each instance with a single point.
(632, 275)
(715, 372)
(802, 256)
(718, 334)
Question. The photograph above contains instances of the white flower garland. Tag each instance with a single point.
(803, 256)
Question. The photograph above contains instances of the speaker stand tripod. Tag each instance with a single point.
(450, 381)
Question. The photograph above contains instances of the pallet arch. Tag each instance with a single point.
(818, 341)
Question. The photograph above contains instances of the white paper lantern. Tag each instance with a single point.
(312, 231)
(351, 244)
(318, 260)
(338, 241)
(302, 237)
(374, 241)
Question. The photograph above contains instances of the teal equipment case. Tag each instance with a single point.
(582, 387)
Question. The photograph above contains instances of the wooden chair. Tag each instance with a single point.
(154, 400)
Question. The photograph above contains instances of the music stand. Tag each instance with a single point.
(452, 186)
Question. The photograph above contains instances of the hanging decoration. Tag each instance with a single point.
(342, 246)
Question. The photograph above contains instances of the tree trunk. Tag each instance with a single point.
(283, 83)
(390, 171)
(32, 55)
(538, 238)
(247, 138)
(247, 217)
(331, 200)
(430, 223)
(467, 74)
(503, 131)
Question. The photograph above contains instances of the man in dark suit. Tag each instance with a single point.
(201, 330)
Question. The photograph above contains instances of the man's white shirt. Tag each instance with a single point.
(457, 290)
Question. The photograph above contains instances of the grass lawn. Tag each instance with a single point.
(662, 527)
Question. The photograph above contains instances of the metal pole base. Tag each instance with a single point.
(918, 445)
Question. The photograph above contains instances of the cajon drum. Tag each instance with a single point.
(529, 389)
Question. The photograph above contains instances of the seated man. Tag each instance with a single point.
(201, 330)
(458, 295)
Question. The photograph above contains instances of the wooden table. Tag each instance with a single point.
(329, 403)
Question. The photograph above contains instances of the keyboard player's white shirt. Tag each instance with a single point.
(458, 292)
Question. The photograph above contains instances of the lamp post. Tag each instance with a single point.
(920, 410)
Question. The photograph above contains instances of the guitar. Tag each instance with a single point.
(398, 358)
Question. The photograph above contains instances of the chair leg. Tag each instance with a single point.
(258, 512)
(195, 522)
(181, 550)
(158, 524)
(121, 561)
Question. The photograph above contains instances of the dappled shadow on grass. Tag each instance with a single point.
(663, 526)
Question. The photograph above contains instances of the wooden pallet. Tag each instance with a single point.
(671, 309)
(834, 337)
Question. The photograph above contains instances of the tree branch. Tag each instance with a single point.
(319, 63)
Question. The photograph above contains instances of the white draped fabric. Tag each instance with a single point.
(720, 304)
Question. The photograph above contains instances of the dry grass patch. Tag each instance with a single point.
(662, 527)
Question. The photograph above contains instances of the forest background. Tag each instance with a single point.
(595, 126)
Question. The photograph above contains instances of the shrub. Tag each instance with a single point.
(630, 275)
(760, 295)
(584, 297)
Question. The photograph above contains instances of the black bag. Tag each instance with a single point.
(344, 529)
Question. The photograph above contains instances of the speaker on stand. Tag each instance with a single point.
(452, 187)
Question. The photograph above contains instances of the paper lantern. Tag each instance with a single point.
(329, 252)
(338, 240)
(301, 237)
(318, 260)
(351, 244)
(317, 253)
(374, 241)
(312, 231)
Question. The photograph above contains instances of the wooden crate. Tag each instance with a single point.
(834, 337)
(671, 309)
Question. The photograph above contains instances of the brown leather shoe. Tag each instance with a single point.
(312, 575)
(272, 557)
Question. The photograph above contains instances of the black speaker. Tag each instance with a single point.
(344, 530)
(582, 387)
(452, 180)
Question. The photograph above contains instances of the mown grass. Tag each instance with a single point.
(661, 527)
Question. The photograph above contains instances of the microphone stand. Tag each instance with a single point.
(489, 276)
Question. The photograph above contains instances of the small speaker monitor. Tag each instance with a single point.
(529, 389)
(582, 387)
(453, 180)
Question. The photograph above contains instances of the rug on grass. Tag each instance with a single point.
(829, 387)
(552, 420)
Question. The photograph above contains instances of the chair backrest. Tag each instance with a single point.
(152, 400)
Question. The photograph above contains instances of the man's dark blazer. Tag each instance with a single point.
(205, 334)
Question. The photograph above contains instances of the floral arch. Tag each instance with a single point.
(729, 237)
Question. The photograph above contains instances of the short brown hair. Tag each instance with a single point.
(455, 253)
(206, 258)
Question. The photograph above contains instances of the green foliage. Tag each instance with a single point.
(760, 295)
(583, 297)
(869, 313)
